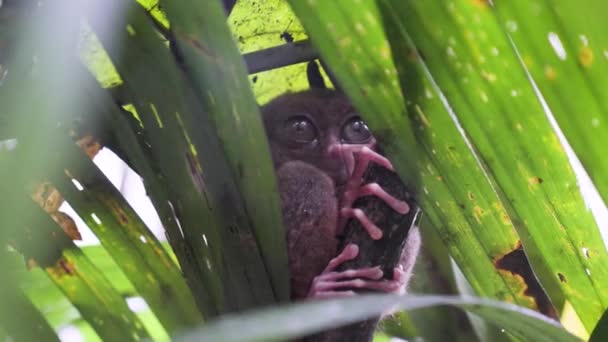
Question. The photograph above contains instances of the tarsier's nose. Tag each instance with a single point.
(341, 162)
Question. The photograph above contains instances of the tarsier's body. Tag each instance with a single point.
(320, 149)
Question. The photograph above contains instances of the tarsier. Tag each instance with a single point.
(321, 149)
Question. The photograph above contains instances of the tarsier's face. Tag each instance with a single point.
(311, 127)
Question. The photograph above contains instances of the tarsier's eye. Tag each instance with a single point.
(300, 130)
(355, 131)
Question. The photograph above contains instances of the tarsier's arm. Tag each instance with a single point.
(310, 213)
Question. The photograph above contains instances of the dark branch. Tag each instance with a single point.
(280, 56)
(229, 5)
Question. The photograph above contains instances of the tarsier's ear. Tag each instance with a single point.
(315, 79)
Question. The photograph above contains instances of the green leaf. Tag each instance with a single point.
(217, 72)
(60, 312)
(563, 45)
(299, 319)
(133, 246)
(129, 136)
(455, 195)
(186, 158)
(124, 235)
(38, 329)
(80, 281)
(494, 101)
(66, 265)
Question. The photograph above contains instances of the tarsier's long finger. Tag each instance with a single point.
(373, 189)
(399, 273)
(365, 155)
(348, 253)
(374, 232)
(373, 273)
(324, 286)
(400, 277)
(356, 177)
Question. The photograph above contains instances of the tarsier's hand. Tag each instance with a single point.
(357, 158)
(332, 284)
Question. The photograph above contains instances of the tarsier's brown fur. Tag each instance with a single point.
(311, 182)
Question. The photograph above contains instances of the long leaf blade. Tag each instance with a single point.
(453, 187)
(300, 319)
(539, 184)
(218, 75)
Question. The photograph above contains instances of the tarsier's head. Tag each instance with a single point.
(312, 126)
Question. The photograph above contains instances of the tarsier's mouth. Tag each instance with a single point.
(340, 189)
(340, 176)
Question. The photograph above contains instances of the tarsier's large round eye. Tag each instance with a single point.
(355, 131)
(300, 130)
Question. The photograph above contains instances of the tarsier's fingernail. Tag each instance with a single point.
(353, 250)
(402, 208)
(376, 234)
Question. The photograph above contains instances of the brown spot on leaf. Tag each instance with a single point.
(586, 57)
(505, 218)
(49, 199)
(196, 44)
(516, 262)
(67, 266)
(550, 73)
(412, 55)
(562, 278)
(481, 3)
(31, 263)
(63, 267)
(196, 174)
(121, 215)
(116, 209)
(479, 213)
(67, 224)
(90, 145)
